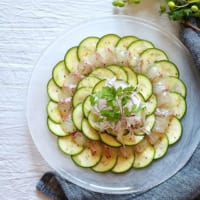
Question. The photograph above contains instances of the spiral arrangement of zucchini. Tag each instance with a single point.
(85, 70)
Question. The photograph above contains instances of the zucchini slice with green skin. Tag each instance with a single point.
(135, 49)
(93, 120)
(148, 57)
(145, 87)
(53, 112)
(77, 116)
(149, 122)
(88, 131)
(131, 139)
(68, 145)
(108, 160)
(150, 105)
(109, 140)
(144, 158)
(174, 131)
(80, 95)
(56, 129)
(60, 73)
(124, 162)
(88, 157)
(132, 77)
(87, 106)
(71, 59)
(179, 105)
(99, 86)
(162, 68)
(53, 90)
(108, 41)
(171, 84)
(125, 41)
(87, 47)
(119, 72)
(89, 81)
(102, 73)
(161, 147)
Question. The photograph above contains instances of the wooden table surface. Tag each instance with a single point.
(26, 29)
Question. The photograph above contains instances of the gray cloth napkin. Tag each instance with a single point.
(191, 39)
(185, 185)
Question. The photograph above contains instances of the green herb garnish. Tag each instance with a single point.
(177, 10)
(116, 102)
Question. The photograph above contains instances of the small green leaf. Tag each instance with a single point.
(127, 112)
(128, 90)
(111, 115)
(119, 91)
(109, 93)
(125, 100)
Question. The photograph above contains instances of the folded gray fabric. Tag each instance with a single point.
(185, 185)
(191, 39)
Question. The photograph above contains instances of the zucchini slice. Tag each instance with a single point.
(144, 158)
(125, 160)
(60, 73)
(93, 120)
(148, 57)
(161, 147)
(89, 81)
(149, 122)
(87, 47)
(108, 159)
(53, 91)
(144, 87)
(55, 128)
(135, 49)
(87, 106)
(119, 72)
(108, 41)
(53, 112)
(178, 105)
(125, 41)
(80, 95)
(68, 145)
(162, 68)
(99, 86)
(102, 73)
(77, 116)
(109, 140)
(171, 84)
(89, 157)
(132, 77)
(174, 131)
(71, 59)
(88, 131)
(131, 139)
(150, 105)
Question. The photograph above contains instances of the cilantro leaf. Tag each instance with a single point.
(111, 115)
(108, 93)
(128, 90)
(125, 100)
(127, 112)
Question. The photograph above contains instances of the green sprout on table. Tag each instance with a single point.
(177, 10)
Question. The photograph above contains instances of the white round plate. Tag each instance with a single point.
(133, 180)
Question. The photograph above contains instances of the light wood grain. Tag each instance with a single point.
(26, 29)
